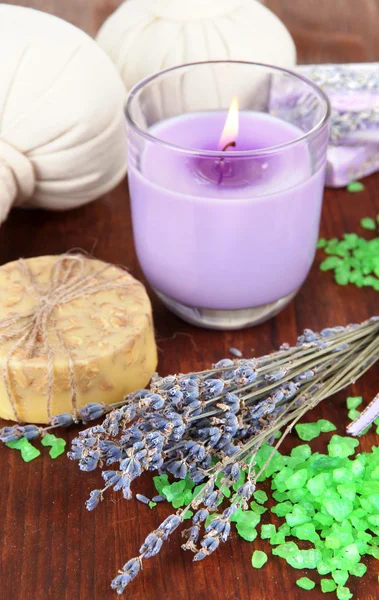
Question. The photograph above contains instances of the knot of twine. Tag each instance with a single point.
(17, 177)
(69, 279)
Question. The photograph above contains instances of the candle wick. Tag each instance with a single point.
(222, 162)
(229, 145)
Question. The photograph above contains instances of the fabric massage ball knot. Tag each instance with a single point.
(17, 177)
(145, 36)
(62, 134)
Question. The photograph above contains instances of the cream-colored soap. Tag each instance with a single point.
(108, 336)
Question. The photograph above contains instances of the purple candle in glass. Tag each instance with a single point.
(226, 205)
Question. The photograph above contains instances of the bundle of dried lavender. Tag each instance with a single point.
(209, 425)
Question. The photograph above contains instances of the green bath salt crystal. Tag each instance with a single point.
(259, 559)
(328, 585)
(354, 259)
(342, 446)
(368, 223)
(343, 593)
(307, 431)
(260, 496)
(354, 402)
(305, 583)
(28, 451)
(267, 531)
(358, 570)
(326, 426)
(355, 186)
(340, 577)
(353, 414)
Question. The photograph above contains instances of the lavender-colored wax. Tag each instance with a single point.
(237, 240)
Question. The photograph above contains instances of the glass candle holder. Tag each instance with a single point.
(226, 199)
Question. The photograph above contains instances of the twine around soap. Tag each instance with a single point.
(70, 278)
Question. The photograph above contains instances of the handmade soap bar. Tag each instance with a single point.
(72, 330)
(353, 91)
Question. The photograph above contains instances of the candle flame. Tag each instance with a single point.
(230, 132)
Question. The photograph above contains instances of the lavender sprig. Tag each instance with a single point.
(210, 424)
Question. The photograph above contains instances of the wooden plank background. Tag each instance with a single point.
(50, 547)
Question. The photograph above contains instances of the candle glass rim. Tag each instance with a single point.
(231, 153)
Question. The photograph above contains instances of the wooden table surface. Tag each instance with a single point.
(51, 548)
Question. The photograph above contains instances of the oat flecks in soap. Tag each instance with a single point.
(109, 334)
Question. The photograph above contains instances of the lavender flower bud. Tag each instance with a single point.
(192, 534)
(151, 545)
(175, 396)
(235, 472)
(213, 388)
(10, 434)
(206, 462)
(197, 476)
(194, 407)
(200, 515)
(120, 582)
(112, 478)
(156, 463)
(276, 375)
(290, 390)
(246, 490)
(141, 456)
(217, 525)
(128, 412)
(132, 567)
(245, 375)
(210, 500)
(178, 432)
(225, 362)
(31, 432)
(92, 411)
(209, 545)
(169, 525)
(189, 397)
(85, 439)
(228, 512)
(278, 396)
(232, 401)
(189, 384)
(92, 431)
(232, 424)
(142, 498)
(214, 436)
(111, 423)
(230, 450)
(156, 402)
(90, 461)
(132, 435)
(94, 499)
(178, 468)
(132, 467)
(120, 482)
(226, 532)
(154, 439)
(63, 420)
(138, 395)
(200, 556)
(195, 450)
(331, 331)
(126, 491)
(166, 383)
(110, 451)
